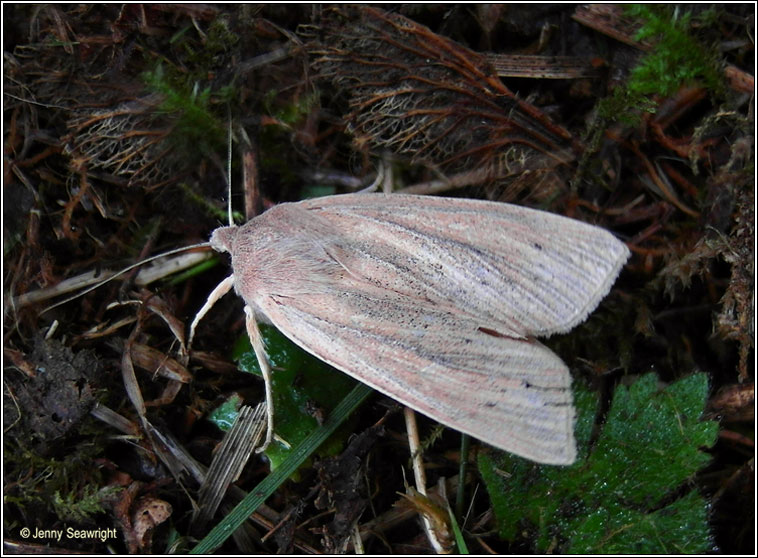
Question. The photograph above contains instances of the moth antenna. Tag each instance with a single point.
(126, 270)
(229, 170)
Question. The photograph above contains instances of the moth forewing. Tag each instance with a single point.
(434, 302)
(534, 272)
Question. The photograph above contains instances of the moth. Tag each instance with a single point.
(435, 302)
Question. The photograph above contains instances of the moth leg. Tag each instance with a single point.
(220, 290)
(256, 340)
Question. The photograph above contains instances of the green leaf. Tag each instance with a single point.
(629, 493)
(226, 413)
(304, 389)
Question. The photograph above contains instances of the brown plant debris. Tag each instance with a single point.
(425, 97)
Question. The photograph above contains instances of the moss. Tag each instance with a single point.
(80, 506)
(196, 130)
(678, 58)
(68, 482)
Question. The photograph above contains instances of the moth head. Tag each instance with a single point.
(222, 238)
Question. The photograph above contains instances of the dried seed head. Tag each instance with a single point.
(424, 97)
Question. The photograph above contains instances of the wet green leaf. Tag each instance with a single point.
(225, 414)
(629, 492)
(305, 390)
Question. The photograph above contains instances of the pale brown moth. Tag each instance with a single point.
(435, 302)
